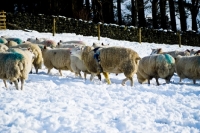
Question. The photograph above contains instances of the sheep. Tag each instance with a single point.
(43, 41)
(3, 40)
(156, 66)
(3, 48)
(112, 60)
(102, 45)
(38, 60)
(11, 43)
(56, 58)
(14, 66)
(188, 67)
(172, 53)
(17, 40)
(77, 66)
(194, 52)
(69, 44)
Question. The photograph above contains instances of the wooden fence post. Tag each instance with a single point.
(54, 25)
(2, 20)
(98, 28)
(139, 35)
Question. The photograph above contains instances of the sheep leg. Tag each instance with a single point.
(85, 74)
(4, 81)
(149, 81)
(131, 79)
(106, 75)
(16, 84)
(157, 81)
(124, 81)
(194, 81)
(48, 71)
(180, 80)
(60, 72)
(22, 83)
(92, 76)
(99, 76)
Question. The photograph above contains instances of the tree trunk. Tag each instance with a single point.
(172, 15)
(194, 12)
(154, 13)
(182, 15)
(134, 12)
(163, 14)
(119, 14)
(108, 13)
(141, 17)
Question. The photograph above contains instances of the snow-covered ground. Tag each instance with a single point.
(69, 104)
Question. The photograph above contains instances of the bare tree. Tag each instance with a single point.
(154, 13)
(134, 12)
(141, 15)
(172, 15)
(163, 14)
(119, 14)
(182, 13)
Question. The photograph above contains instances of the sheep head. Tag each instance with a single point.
(77, 51)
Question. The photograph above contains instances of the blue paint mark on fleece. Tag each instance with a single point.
(14, 55)
(17, 40)
(169, 58)
(1, 40)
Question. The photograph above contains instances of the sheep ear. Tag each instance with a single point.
(93, 44)
(36, 38)
(102, 44)
(159, 50)
(45, 47)
(58, 43)
(61, 41)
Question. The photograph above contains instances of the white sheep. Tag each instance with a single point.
(188, 67)
(14, 66)
(11, 43)
(3, 48)
(172, 53)
(38, 59)
(78, 66)
(43, 41)
(56, 58)
(112, 60)
(17, 40)
(102, 45)
(3, 40)
(69, 44)
(156, 66)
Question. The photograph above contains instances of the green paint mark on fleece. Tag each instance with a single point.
(169, 58)
(14, 55)
(1, 41)
(19, 41)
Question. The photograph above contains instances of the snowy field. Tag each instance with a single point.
(69, 104)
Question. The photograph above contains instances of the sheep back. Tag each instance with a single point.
(119, 60)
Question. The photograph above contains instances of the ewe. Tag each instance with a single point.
(156, 66)
(112, 60)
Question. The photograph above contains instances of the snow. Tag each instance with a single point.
(69, 104)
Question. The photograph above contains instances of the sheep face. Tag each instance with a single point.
(77, 51)
(156, 51)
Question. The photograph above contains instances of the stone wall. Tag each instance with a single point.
(43, 23)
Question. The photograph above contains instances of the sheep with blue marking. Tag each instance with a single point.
(156, 66)
(3, 40)
(17, 40)
(112, 60)
(14, 66)
(38, 60)
(11, 43)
